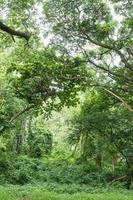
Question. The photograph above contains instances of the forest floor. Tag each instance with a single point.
(40, 193)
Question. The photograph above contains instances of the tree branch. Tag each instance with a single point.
(118, 97)
(21, 112)
(13, 32)
(17, 115)
(127, 79)
(109, 47)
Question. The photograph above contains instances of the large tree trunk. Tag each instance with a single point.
(129, 176)
(20, 137)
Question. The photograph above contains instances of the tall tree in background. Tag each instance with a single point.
(104, 131)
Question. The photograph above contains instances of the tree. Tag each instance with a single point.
(44, 77)
(93, 29)
(102, 126)
(40, 140)
(36, 74)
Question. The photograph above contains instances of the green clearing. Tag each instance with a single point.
(39, 193)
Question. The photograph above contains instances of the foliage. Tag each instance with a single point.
(54, 55)
(102, 32)
(102, 130)
(22, 170)
(47, 77)
(40, 143)
(40, 192)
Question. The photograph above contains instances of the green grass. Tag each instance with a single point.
(40, 193)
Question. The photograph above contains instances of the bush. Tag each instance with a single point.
(23, 170)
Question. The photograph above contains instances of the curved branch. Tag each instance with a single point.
(119, 98)
(21, 112)
(109, 47)
(13, 32)
(16, 116)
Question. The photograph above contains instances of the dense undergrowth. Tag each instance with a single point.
(23, 170)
